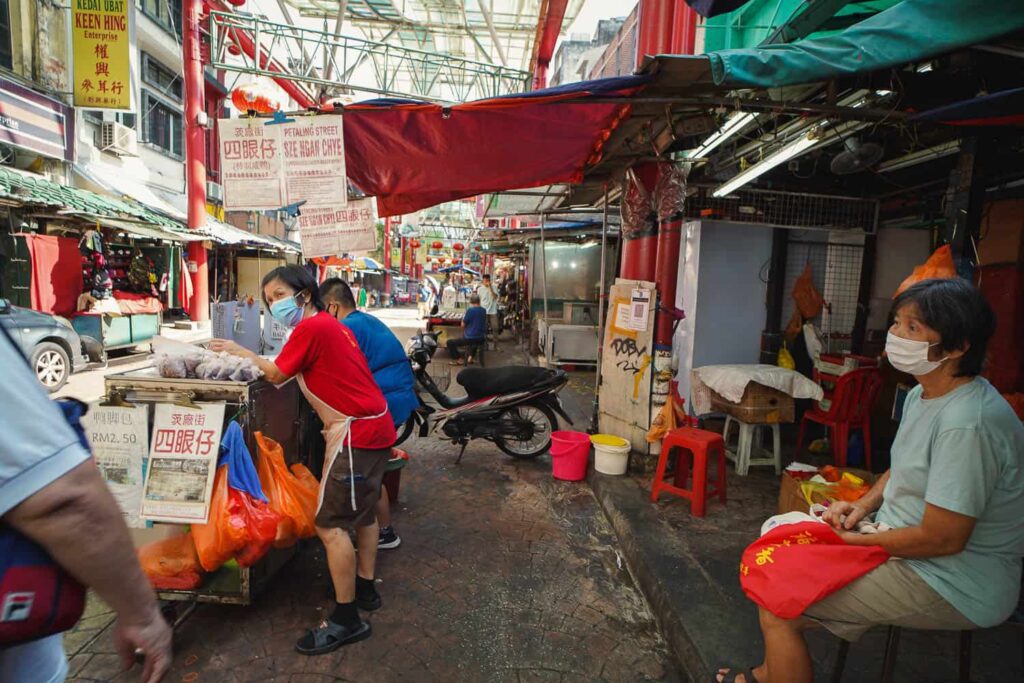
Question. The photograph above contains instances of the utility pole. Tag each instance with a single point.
(195, 155)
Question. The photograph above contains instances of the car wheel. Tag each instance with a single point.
(52, 366)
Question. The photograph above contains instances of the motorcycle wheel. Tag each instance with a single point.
(543, 422)
(407, 429)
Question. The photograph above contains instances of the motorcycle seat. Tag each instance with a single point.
(481, 382)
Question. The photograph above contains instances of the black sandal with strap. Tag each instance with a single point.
(748, 676)
(329, 636)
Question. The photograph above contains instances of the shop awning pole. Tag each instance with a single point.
(544, 267)
(600, 306)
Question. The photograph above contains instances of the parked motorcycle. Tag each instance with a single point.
(515, 407)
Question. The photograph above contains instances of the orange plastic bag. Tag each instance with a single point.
(261, 527)
(224, 534)
(939, 265)
(808, 298)
(171, 564)
(293, 494)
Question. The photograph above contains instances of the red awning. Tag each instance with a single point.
(413, 155)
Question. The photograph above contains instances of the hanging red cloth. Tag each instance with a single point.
(794, 566)
(185, 290)
(56, 273)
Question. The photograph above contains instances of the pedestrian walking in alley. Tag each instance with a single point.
(954, 497)
(336, 380)
(474, 330)
(52, 493)
(391, 370)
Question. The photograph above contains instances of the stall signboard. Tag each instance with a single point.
(250, 157)
(32, 121)
(335, 231)
(267, 166)
(182, 462)
(101, 46)
(119, 440)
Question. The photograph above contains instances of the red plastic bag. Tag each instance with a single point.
(808, 298)
(224, 534)
(261, 527)
(171, 564)
(293, 494)
(794, 566)
(939, 265)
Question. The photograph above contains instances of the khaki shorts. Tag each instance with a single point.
(336, 510)
(893, 594)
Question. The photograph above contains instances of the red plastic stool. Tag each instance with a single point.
(698, 445)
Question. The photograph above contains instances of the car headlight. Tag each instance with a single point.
(64, 322)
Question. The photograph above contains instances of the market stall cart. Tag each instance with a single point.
(280, 413)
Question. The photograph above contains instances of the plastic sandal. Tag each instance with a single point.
(329, 636)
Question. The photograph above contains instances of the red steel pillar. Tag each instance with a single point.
(640, 250)
(684, 29)
(654, 33)
(195, 156)
(402, 246)
(670, 230)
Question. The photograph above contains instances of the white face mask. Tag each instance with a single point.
(907, 355)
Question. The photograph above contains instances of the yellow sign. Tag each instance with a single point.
(102, 50)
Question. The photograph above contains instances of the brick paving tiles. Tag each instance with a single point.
(503, 575)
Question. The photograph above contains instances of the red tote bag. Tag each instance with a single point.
(794, 566)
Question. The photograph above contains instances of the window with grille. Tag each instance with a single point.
(162, 79)
(6, 53)
(166, 13)
(836, 260)
(162, 125)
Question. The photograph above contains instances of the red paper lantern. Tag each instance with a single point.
(466, 262)
(415, 244)
(441, 260)
(458, 246)
(437, 245)
(234, 50)
(251, 98)
(237, 3)
(477, 248)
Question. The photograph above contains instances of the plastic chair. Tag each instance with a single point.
(854, 395)
(701, 445)
(748, 443)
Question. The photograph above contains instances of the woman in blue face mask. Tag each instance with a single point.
(954, 496)
(334, 377)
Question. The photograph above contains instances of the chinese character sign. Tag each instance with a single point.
(336, 231)
(119, 440)
(250, 155)
(267, 167)
(314, 168)
(182, 461)
(101, 49)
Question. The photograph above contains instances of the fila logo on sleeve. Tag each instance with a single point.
(16, 607)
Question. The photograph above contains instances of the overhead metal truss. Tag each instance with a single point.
(397, 70)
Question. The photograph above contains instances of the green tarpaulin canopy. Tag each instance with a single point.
(911, 31)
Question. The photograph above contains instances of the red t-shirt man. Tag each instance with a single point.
(335, 369)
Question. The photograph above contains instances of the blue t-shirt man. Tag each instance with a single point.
(475, 322)
(384, 353)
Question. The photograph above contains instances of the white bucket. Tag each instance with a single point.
(611, 454)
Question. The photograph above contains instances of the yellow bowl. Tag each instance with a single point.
(608, 440)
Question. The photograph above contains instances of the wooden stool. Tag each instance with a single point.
(698, 445)
(746, 444)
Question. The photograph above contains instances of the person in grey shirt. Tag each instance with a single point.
(52, 492)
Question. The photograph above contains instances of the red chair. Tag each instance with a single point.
(700, 445)
(852, 399)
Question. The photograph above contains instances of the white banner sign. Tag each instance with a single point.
(333, 232)
(314, 162)
(182, 463)
(250, 159)
(271, 166)
(119, 439)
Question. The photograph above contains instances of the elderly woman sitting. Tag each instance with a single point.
(954, 495)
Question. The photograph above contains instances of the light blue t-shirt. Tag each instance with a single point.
(964, 452)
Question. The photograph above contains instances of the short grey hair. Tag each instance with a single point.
(474, 299)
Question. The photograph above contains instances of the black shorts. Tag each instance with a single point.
(336, 509)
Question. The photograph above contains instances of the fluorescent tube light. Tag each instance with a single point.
(920, 156)
(795, 148)
(732, 125)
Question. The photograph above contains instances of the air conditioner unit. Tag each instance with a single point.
(214, 192)
(116, 139)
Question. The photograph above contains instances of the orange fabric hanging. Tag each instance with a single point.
(939, 265)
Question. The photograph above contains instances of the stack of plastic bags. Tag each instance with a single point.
(185, 361)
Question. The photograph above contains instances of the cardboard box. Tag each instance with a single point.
(759, 405)
(1002, 233)
(791, 499)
